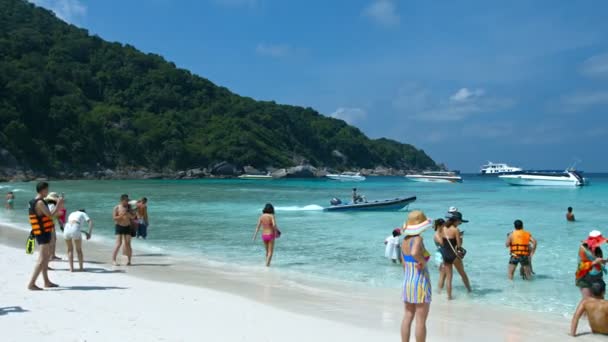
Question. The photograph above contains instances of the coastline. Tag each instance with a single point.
(322, 309)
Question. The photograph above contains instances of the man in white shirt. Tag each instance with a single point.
(72, 231)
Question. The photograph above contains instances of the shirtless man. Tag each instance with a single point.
(570, 215)
(142, 218)
(41, 219)
(596, 309)
(122, 216)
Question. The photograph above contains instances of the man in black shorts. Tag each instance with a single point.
(42, 228)
(122, 218)
(522, 246)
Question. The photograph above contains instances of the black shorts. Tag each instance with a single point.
(523, 259)
(44, 238)
(122, 230)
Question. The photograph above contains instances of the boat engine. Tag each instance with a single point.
(335, 201)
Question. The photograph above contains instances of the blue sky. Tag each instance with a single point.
(525, 82)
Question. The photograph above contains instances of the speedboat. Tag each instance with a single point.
(436, 177)
(387, 204)
(347, 177)
(256, 177)
(569, 178)
(492, 169)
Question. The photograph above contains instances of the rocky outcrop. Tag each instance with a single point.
(224, 169)
(301, 171)
(250, 170)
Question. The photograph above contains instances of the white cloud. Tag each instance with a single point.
(383, 12)
(238, 3)
(273, 50)
(67, 10)
(420, 104)
(596, 66)
(464, 94)
(350, 115)
(581, 101)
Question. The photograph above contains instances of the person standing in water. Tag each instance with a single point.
(439, 226)
(270, 231)
(570, 215)
(591, 263)
(416, 279)
(10, 201)
(142, 218)
(391, 249)
(122, 216)
(452, 252)
(596, 309)
(51, 201)
(41, 220)
(522, 245)
(72, 232)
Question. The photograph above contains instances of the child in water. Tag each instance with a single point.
(391, 251)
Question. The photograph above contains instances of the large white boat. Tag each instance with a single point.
(498, 169)
(346, 177)
(436, 177)
(568, 178)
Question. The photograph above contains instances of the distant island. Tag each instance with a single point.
(75, 106)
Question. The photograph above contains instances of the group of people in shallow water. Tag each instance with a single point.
(47, 211)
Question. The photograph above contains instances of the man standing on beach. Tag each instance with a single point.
(518, 243)
(596, 309)
(142, 218)
(122, 216)
(41, 220)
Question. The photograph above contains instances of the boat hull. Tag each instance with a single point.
(431, 179)
(392, 204)
(531, 180)
(256, 177)
(343, 178)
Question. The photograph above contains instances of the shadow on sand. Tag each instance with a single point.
(11, 309)
(151, 255)
(156, 265)
(89, 288)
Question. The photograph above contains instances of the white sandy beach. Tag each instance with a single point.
(111, 303)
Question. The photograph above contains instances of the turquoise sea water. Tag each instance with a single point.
(215, 219)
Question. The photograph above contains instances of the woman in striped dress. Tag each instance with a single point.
(416, 280)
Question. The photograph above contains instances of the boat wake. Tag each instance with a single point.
(311, 207)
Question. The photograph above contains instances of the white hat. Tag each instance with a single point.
(452, 210)
(595, 234)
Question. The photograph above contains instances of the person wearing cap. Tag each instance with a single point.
(591, 265)
(522, 246)
(73, 232)
(596, 309)
(416, 280)
(452, 251)
(391, 250)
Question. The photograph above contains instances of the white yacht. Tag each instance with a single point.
(436, 177)
(498, 169)
(346, 177)
(568, 178)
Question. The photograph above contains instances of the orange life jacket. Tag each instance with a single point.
(520, 243)
(40, 224)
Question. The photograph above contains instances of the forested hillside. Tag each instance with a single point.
(70, 100)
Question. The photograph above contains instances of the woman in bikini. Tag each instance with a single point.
(270, 231)
(439, 227)
(450, 243)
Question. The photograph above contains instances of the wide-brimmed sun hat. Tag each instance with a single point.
(595, 239)
(416, 223)
(53, 196)
(456, 215)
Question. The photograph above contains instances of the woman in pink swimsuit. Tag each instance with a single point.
(270, 231)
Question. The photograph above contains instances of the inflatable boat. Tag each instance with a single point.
(388, 204)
